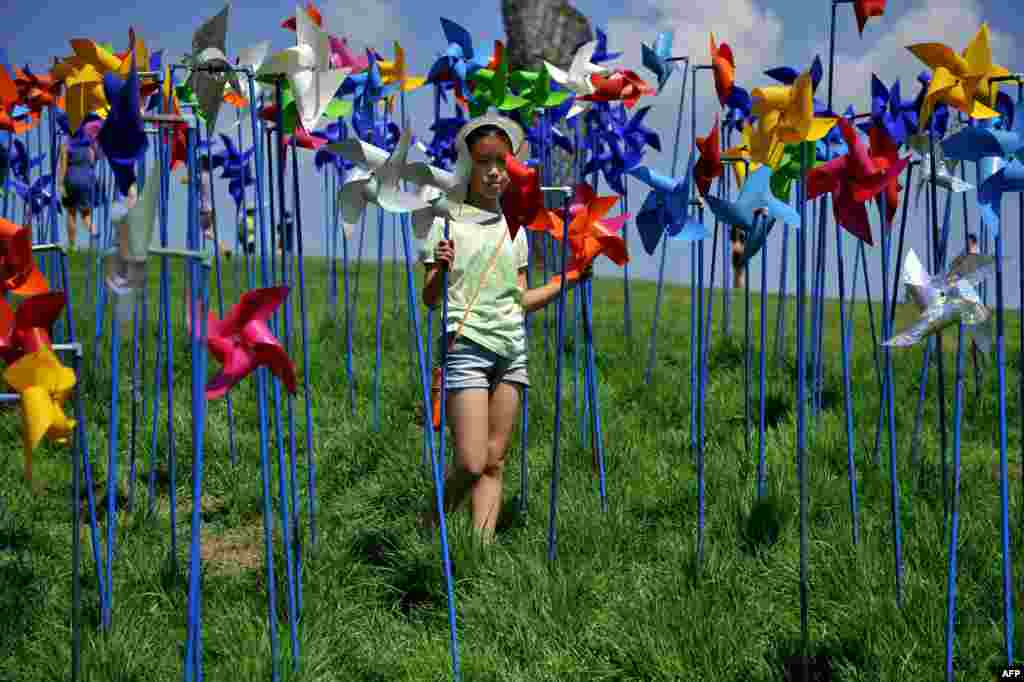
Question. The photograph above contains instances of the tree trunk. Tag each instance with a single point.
(542, 29)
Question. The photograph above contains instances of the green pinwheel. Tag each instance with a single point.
(535, 88)
(491, 90)
(788, 170)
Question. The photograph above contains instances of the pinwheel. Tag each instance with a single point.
(491, 89)
(251, 57)
(39, 195)
(857, 177)
(709, 166)
(366, 87)
(889, 111)
(37, 91)
(535, 136)
(787, 75)
(973, 143)
(797, 121)
(14, 157)
(755, 197)
(43, 384)
(211, 69)
(723, 67)
(866, 9)
(620, 86)
(310, 11)
(523, 202)
(947, 299)
(666, 210)
(380, 185)
(334, 132)
(27, 329)
(601, 53)
(458, 62)
(963, 82)
(18, 271)
(122, 137)
(9, 99)
(535, 88)
(633, 133)
(833, 144)
(788, 169)
(395, 72)
(377, 131)
(656, 59)
(940, 111)
(737, 109)
(441, 150)
(945, 166)
(290, 116)
(591, 234)
(607, 157)
(241, 342)
(308, 69)
(1009, 178)
(342, 56)
(579, 77)
(128, 260)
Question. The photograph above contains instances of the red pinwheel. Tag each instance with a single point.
(723, 66)
(242, 342)
(591, 234)
(865, 9)
(27, 330)
(619, 86)
(858, 176)
(18, 271)
(523, 202)
(36, 91)
(9, 99)
(710, 165)
(313, 13)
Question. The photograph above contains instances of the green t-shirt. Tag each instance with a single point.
(496, 319)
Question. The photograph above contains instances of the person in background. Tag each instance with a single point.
(972, 243)
(739, 271)
(285, 233)
(76, 179)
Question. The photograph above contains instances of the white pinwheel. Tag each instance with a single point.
(308, 69)
(578, 77)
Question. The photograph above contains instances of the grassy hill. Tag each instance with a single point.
(623, 601)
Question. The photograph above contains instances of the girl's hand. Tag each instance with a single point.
(444, 253)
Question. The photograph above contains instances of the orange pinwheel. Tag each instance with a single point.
(8, 100)
(591, 234)
(36, 91)
(18, 271)
(710, 165)
(311, 11)
(865, 9)
(619, 86)
(724, 68)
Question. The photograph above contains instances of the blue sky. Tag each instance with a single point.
(763, 34)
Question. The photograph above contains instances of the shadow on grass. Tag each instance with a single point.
(761, 528)
(824, 662)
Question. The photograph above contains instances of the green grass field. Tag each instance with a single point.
(623, 601)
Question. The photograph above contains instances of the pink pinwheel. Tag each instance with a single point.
(242, 342)
(342, 56)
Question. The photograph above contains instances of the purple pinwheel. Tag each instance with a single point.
(889, 111)
(38, 195)
(379, 132)
(235, 167)
(333, 133)
(122, 137)
(620, 145)
(441, 150)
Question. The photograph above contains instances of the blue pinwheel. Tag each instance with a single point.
(666, 210)
(1009, 178)
(833, 145)
(601, 53)
(787, 75)
(15, 158)
(459, 60)
(333, 133)
(231, 161)
(122, 137)
(38, 195)
(656, 58)
(755, 196)
(633, 132)
(737, 110)
(889, 111)
(441, 150)
(366, 87)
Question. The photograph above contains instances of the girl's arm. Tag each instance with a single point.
(538, 297)
(62, 167)
(432, 285)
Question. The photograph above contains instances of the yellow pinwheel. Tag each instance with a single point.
(395, 72)
(43, 383)
(82, 74)
(798, 123)
(961, 81)
(755, 147)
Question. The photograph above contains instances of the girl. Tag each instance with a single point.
(76, 176)
(487, 298)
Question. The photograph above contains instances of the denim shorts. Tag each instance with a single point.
(470, 365)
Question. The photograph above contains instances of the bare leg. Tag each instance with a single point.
(468, 418)
(739, 271)
(503, 410)
(72, 226)
(87, 221)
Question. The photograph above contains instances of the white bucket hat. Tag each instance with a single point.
(464, 162)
